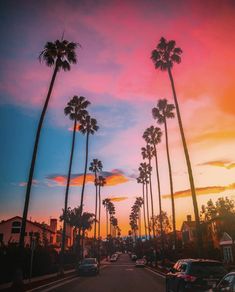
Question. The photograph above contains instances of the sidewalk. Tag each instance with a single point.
(45, 279)
(40, 280)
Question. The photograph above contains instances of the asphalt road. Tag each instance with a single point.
(121, 276)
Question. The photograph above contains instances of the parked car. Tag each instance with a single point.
(140, 263)
(226, 284)
(88, 266)
(194, 275)
(113, 258)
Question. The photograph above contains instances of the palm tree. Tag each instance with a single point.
(163, 57)
(161, 113)
(59, 55)
(89, 127)
(152, 136)
(141, 180)
(101, 183)
(106, 204)
(82, 223)
(148, 153)
(76, 109)
(96, 166)
(145, 169)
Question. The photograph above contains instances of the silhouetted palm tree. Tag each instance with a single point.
(164, 56)
(88, 127)
(76, 109)
(148, 153)
(59, 55)
(101, 182)
(141, 180)
(106, 204)
(161, 113)
(152, 136)
(145, 170)
(95, 166)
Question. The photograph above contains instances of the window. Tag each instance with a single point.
(15, 227)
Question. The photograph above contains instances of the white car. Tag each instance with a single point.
(140, 263)
(113, 258)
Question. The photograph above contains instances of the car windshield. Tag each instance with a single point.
(207, 268)
(89, 261)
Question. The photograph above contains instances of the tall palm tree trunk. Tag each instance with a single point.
(107, 222)
(85, 173)
(140, 234)
(66, 194)
(147, 205)
(190, 172)
(144, 206)
(151, 197)
(83, 188)
(34, 157)
(171, 184)
(159, 197)
(96, 199)
(99, 216)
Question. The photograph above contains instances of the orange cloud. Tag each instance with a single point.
(112, 179)
(215, 136)
(23, 183)
(223, 163)
(118, 199)
(77, 128)
(201, 191)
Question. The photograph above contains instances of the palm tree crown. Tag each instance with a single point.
(152, 135)
(76, 108)
(166, 54)
(88, 125)
(147, 152)
(59, 53)
(96, 165)
(163, 110)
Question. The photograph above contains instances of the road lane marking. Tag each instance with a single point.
(154, 272)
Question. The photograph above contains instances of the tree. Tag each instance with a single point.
(101, 181)
(161, 113)
(223, 212)
(76, 110)
(145, 170)
(59, 55)
(164, 221)
(79, 222)
(163, 57)
(152, 136)
(141, 179)
(106, 206)
(88, 127)
(96, 166)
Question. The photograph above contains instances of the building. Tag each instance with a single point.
(41, 232)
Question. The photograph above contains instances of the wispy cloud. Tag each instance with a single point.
(202, 191)
(219, 163)
(118, 199)
(23, 183)
(113, 178)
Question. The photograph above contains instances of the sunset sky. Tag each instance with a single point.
(115, 73)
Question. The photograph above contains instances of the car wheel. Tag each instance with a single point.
(181, 287)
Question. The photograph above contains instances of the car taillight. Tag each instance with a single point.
(188, 278)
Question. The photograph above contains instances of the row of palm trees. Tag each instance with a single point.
(164, 56)
(135, 217)
(112, 228)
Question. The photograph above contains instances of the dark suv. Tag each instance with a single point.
(194, 275)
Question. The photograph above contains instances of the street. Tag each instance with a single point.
(121, 276)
